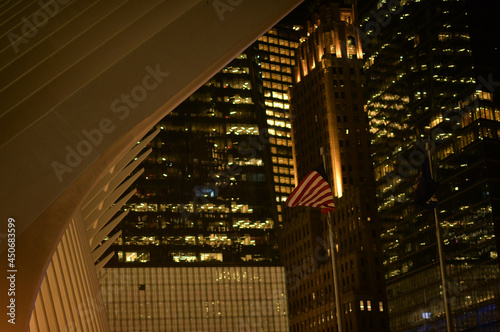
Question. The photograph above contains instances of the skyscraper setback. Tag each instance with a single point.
(423, 86)
(327, 111)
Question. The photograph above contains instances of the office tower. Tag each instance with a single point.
(206, 209)
(327, 111)
(423, 85)
(208, 183)
(277, 58)
(204, 196)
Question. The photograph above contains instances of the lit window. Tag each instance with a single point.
(137, 257)
(277, 86)
(277, 95)
(362, 305)
(184, 257)
(211, 256)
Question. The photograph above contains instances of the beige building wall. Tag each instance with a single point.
(204, 298)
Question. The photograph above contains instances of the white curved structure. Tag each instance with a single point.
(80, 83)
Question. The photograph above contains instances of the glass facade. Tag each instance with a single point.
(422, 87)
(205, 196)
(209, 198)
(276, 61)
(219, 168)
(215, 299)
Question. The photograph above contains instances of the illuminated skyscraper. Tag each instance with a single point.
(207, 193)
(277, 58)
(423, 84)
(206, 208)
(327, 111)
(204, 196)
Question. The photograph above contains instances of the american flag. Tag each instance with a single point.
(313, 191)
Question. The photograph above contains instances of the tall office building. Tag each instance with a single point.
(327, 111)
(201, 230)
(423, 86)
(209, 186)
(204, 196)
(277, 58)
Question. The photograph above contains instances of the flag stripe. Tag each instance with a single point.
(315, 188)
(324, 202)
(302, 188)
(322, 199)
(318, 192)
(313, 191)
(294, 196)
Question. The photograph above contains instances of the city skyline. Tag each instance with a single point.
(208, 204)
(346, 173)
(65, 128)
(204, 223)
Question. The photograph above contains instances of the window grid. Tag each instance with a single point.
(208, 298)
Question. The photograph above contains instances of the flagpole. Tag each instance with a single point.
(447, 310)
(338, 307)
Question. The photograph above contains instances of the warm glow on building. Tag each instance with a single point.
(327, 112)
